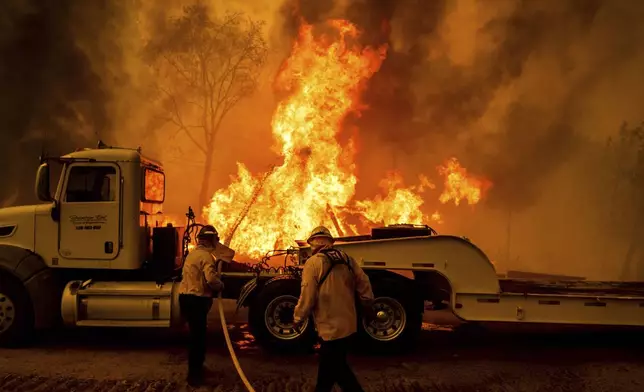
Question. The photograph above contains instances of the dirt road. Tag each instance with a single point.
(126, 360)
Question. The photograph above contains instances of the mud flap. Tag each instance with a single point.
(246, 291)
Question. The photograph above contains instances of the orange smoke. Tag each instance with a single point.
(315, 184)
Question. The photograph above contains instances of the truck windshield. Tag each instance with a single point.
(153, 185)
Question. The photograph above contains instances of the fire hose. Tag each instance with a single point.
(187, 235)
(222, 317)
(229, 343)
(192, 225)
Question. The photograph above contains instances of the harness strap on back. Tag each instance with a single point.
(336, 257)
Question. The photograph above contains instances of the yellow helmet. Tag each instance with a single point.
(208, 231)
(320, 232)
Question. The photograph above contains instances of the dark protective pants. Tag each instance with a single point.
(334, 368)
(195, 310)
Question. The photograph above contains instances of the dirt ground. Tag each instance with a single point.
(445, 360)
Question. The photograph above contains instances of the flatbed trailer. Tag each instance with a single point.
(91, 256)
(590, 303)
(476, 294)
(451, 272)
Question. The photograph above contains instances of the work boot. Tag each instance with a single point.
(195, 378)
(195, 381)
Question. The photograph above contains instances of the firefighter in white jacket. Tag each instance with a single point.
(330, 281)
(198, 286)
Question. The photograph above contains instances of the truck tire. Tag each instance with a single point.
(16, 313)
(398, 319)
(270, 318)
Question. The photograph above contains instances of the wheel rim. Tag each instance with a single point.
(7, 312)
(278, 318)
(390, 320)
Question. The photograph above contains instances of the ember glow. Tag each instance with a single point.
(315, 183)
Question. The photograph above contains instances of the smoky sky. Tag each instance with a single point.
(52, 95)
(61, 72)
(425, 100)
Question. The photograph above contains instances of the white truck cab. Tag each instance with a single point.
(97, 217)
(95, 225)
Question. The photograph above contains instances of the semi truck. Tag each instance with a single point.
(93, 255)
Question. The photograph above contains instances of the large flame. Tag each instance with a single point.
(324, 80)
(459, 185)
(315, 184)
(400, 205)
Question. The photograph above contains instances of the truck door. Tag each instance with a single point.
(90, 211)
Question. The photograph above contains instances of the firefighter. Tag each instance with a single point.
(330, 281)
(199, 285)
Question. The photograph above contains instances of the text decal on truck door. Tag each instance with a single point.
(93, 222)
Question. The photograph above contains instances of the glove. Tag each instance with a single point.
(368, 313)
(216, 287)
(297, 325)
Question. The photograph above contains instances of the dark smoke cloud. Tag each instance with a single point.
(311, 11)
(422, 99)
(536, 140)
(54, 81)
(458, 95)
(535, 144)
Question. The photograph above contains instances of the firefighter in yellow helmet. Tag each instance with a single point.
(330, 281)
(199, 284)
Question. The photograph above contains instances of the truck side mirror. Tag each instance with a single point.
(42, 183)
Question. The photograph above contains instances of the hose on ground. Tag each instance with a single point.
(229, 343)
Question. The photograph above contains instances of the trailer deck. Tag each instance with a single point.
(478, 293)
(580, 288)
(556, 302)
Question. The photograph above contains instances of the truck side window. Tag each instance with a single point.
(91, 184)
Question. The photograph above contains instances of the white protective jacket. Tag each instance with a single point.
(200, 270)
(333, 303)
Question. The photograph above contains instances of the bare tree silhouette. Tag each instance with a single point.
(204, 67)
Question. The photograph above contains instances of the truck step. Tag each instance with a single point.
(125, 323)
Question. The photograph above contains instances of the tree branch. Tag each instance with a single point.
(197, 104)
(179, 122)
(179, 70)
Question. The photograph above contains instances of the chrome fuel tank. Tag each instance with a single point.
(121, 304)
